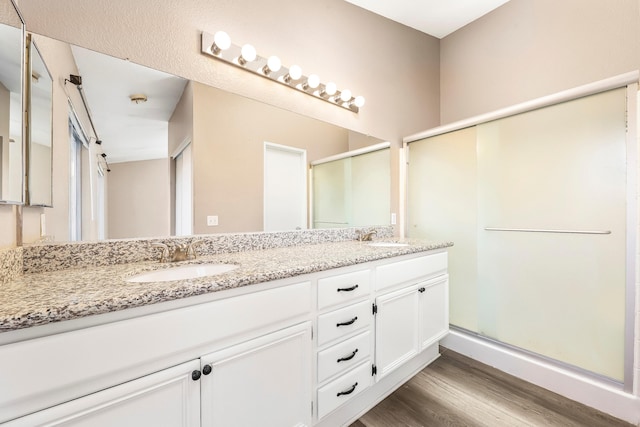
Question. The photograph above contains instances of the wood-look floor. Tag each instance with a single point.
(458, 391)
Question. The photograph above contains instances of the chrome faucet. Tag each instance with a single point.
(164, 255)
(367, 237)
(181, 252)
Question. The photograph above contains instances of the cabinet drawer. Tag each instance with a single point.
(343, 356)
(411, 269)
(343, 389)
(343, 288)
(338, 323)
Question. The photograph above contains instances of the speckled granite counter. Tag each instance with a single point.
(43, 298)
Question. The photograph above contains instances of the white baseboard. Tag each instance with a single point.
(572, 385)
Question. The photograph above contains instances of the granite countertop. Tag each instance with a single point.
(42, 298)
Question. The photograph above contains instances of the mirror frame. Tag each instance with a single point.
(22, 108)
(32, 49)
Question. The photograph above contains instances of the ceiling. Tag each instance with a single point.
(129, 131)
(438, 18)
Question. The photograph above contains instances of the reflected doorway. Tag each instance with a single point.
(285, 188)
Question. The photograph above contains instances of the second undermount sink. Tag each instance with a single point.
(388, 244)
(183, 272)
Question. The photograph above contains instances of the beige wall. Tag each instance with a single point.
(523, 50)
(8, 14)
(40, 160)
(228, 144)
(138, 199)
(530, 48)
(396, 68)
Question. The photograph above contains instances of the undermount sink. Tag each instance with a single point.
(184, 272)
(388, 244)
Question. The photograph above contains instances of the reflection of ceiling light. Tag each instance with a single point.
(138, 98)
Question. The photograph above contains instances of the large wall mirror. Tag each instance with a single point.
(166, 156)
(11, 122)
(40, 111)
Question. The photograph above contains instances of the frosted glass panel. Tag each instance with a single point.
(371, 188)
(354, 191)
(330, 190)
(562, 168)
(558, 168)
(442, 187)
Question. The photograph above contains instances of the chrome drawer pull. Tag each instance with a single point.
(353, 288)
(347, 323)
(351, 356)
(353, 387)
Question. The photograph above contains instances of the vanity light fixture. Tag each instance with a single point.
(219, 46)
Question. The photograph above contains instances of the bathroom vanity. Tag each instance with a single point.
(305, 335)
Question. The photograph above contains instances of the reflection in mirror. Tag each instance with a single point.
(40, 130)
(11, 141)
(146, 121)
(353, 189)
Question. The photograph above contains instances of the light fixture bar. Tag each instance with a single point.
(219, 46)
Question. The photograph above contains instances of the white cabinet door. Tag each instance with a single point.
(263, 382)
(434, 311)
(397, 334)
(167, 398)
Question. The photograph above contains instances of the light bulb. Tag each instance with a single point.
(313, 81)
(221, 41)
(359, 101)
(273, 65)
(330, 89)
(345, 95)
(295, 72)
(247, 54)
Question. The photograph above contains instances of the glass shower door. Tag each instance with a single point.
(536, 207)
(556, 287)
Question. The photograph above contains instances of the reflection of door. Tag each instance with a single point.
(285, 188)
(184, 202)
